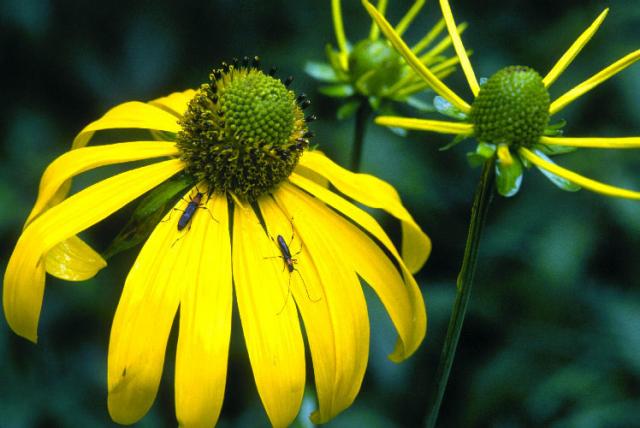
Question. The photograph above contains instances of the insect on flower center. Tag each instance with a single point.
(244, 131)
(512, 108)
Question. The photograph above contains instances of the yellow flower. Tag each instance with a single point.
(229, 244)
(510, 112)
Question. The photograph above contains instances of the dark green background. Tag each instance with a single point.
(553, 333)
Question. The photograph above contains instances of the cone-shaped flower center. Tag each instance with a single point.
(243, 132)
(512, 108)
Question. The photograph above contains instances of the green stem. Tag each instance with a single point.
(362, 118)
(482, 199)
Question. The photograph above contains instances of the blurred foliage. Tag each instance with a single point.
(553, 336)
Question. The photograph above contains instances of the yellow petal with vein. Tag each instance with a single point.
(133, 114)
(24, 278)
(175, 103)
(595, 80)
(574, 50)
(271, 327)
(75, 162)
(375, 193)
(587, 183)
(336, 319)
(205, 319)
(144, 317)
(459, 47)
(593, 142)
(73, 260)
(440, 126)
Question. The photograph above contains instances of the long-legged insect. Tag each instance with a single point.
(289, 264)
(195, 202)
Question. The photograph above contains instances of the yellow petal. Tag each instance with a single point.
(205, 319)
(375, 193)
(374, 33)
(133, 114)
(24, 278)
(574, 50)
(175, 103)
(145, 314)
(75, 162)
(73, 260)
(593, 81)
(336, 321)
(504, 155)
(408, 18)
(429, 37)
(413, 61)
(440, 126)
(596, 142)
(271, 327)
(578, 179)
(459, 47)
(401, 298)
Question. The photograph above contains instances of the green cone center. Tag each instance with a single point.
(512, 108)
(243, 132)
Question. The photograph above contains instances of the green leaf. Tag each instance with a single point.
(555, 129)
(509, 177)
(562, 183)
(483, 152)
(321, 71)
(337, 91)
(348, 109)
(554, 150)
(457, 140)
(147, 215)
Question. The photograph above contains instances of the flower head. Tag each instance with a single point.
(252, 199)
(510, 114)
(371, 71)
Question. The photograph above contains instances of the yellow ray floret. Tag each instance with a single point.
(440, 126)
(594, 142)
(578, 179)
(272, 332)
(205, 319)
(436, 84)
(459, 47)
(593, 81)
(573, 51)
(408, 18)
(341, 38)
(24, 278)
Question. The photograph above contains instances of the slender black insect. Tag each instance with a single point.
(190, 210)
(289, 264)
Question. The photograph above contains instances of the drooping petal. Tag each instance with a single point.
(73, 260)
(584, 87)
(24, 278)
(205, 319)
(429, 37)
(175, 103)
(402, 298)
(270, 326)
(336, 320)
(573, 51)
(145, 314)
(374, 33)
(593, 142)
(441, 126)
(375, 193)
(578, 179)
(133, 114)
(413, 61)
(459, 47)
(84, 159)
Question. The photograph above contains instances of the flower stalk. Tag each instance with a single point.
(479, 210)
(362, 118)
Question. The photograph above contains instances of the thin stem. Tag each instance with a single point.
(482, 199)
(362, 118)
